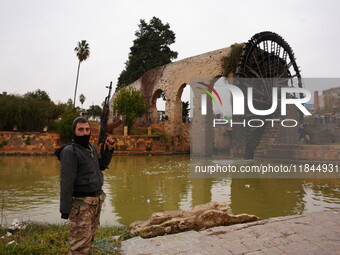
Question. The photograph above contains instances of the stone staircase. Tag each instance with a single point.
(267, 141)
(270, 149)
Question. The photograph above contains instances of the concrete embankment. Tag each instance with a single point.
(312, 233)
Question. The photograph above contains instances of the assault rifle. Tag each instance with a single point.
(103, 121)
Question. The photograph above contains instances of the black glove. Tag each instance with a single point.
(64, 216)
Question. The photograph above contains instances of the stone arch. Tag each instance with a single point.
(154, 116)
(178, 104)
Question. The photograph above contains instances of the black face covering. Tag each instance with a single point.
(82, 140)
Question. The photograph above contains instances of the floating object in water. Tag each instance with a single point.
(148, 201)
(247, 186)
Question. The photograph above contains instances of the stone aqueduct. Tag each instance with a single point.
(265, 55)
(172, 78)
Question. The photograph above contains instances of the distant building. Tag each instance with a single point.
(321, 101)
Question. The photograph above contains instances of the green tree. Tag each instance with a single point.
(65, 124)
(82, 99)
(94, 110)
(26, 113)
(39, 95)
(130, 104)
(69, 103)
(83, 52)
(150, 49)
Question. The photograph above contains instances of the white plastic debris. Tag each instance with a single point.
(115, 238)
(16, 225)
(11, 242)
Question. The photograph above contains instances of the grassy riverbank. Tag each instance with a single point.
(42, 239)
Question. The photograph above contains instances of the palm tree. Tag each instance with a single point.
(82, 99)
(83, 52)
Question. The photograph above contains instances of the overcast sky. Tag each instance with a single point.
(38, 37)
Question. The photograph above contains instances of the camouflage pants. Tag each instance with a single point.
(84, 221)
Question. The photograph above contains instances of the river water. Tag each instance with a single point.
(137, 186)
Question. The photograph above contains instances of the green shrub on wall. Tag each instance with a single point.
(28, 140)
(230, 63)
(122, 148)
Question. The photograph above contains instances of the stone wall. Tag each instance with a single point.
(153, 144)
(289, 135)
(143, 144)
(306, 153)
(28, 143)
(34, 143)
(323, 133)
(222, 139)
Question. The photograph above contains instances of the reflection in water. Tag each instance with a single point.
(322, 193)
(29, 188)
(267, 197)
(137, 186)
(136, 180)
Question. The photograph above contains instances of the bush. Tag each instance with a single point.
(64, 126)
(130, 104)
(139, 130)
(231, 62)
(28, 140)
(26, 113)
